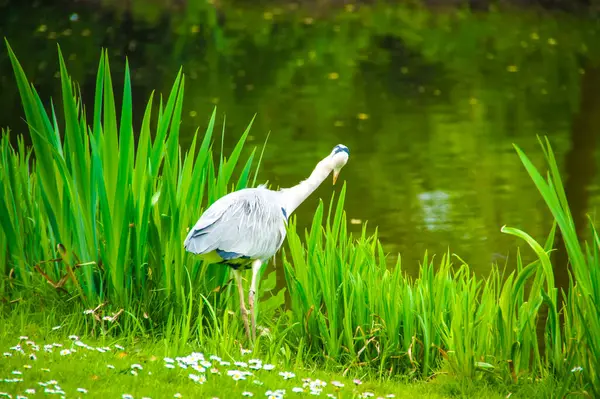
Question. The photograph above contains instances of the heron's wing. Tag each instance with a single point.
(196, 240)
(248, 223)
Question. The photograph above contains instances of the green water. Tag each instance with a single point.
(429, 101)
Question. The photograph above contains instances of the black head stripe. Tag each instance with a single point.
(339, 148)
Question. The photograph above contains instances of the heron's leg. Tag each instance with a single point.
(256, 265)
(238, 279)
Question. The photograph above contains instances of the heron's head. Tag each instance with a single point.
(339, 156)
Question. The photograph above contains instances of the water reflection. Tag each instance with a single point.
(429, 102)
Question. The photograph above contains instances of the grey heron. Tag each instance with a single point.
(245, 228)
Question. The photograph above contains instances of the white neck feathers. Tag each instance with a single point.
(294, 196)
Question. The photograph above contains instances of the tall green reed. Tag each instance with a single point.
(102, 218)
(574, 344)
(351, 308)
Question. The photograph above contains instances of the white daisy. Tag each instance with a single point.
(287, 375)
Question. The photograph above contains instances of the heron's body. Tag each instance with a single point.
(244, 229)
(240, 228)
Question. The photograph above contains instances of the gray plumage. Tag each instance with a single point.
(245, 225)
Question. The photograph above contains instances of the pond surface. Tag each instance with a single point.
(429, 101)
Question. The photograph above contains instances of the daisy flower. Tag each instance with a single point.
(287, 375)
(318, 384)
(236, 375)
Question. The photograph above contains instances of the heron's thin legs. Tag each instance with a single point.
(243, 310)
(256, 265)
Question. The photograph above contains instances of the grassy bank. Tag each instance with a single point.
(39, 361)
(94, 216)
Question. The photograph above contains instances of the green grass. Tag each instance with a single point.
(88, 368)
(93, 224)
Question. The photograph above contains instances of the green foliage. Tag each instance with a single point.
(102, 218)
(575, 343)
(352, 309)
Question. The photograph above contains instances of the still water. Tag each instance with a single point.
(429, 101)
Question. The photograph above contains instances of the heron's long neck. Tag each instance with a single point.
(294, 196)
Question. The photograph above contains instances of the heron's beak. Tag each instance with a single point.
(336, 173)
